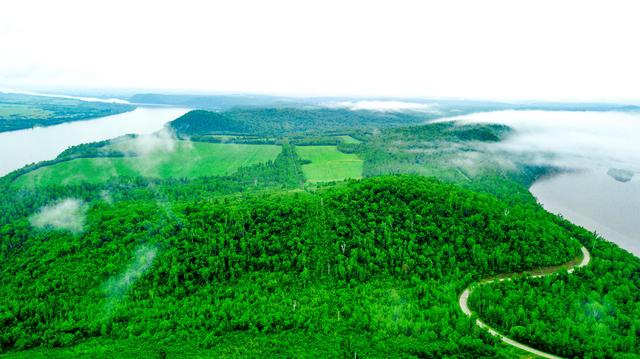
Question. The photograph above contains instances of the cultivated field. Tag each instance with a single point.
(349, 140)
(183, 159)
(329, 164)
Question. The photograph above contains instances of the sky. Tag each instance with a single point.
(518, 50)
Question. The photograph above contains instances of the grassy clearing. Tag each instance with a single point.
(349, 140)
(329, 164)
(185, 159)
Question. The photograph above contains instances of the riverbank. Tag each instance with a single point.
(23, 111)
(22, 147)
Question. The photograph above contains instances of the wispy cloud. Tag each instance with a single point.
(163, 141)
(67, 214)
(118, 285)
(152, 151)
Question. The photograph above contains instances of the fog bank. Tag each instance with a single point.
(572, 140)
(602, 192)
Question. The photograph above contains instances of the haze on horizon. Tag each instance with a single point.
(544, 50)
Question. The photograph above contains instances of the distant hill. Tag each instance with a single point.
(200, 122)
(283, 121)
(449, 107)
(211, 102)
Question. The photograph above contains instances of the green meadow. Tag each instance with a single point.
(349, 140)
(184, 160)
(328, 164)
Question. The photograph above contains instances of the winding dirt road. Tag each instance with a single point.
(464, 299)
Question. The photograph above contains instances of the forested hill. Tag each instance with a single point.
(310, 120)
(284, 121)
(370, 268)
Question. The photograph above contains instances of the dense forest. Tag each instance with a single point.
(19, 111)
(384, 258)
(593, 313)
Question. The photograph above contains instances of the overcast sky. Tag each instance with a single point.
(559, 50)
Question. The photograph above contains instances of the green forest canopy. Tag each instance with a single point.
(385, 257)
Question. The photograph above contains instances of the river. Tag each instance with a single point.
(588, 145)
(19, 148)
(594, 200)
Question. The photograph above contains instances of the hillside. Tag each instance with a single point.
(290, 121)
(371, 267)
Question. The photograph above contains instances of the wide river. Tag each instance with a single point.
(594, 200)
(19, 148)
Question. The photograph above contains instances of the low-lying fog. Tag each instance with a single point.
(602, 193)
(383, 106)
(577, 140)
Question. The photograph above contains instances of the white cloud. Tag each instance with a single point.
(162, 141)
(67, 214)
(152, 151)
(577, 140)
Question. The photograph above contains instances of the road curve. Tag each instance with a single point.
(464, 306)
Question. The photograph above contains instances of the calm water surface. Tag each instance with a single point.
(19, 148)
(594, 200)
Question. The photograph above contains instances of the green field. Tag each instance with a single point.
(9, 111)
(186, 159)
(349, 140)
(329, 164)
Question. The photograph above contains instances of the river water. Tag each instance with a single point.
(19, 148)
(589, 145)
(594, 200)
